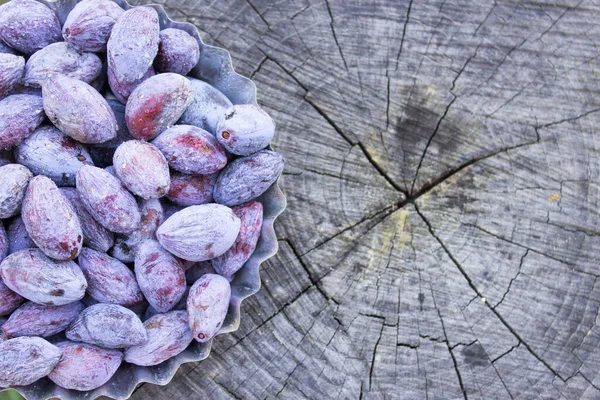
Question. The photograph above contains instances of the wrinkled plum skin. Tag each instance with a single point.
(207, 306)
(33, 319)
(107, 200)
(20, 115)
(50, 220)
(248, 177)
(109, 280)
(84, 366)
(142, 168)
(206, 107)
(191, 190)
(160, 275)
(95, 235)
(178, 52)
(61, 58)
(107, 325)
(156, 104)
(89, 24)
(40, 279)
(48, 152)
(11, 72)
(26, 359)
(78, 110)
(191, 150)
(168, 335)
(199, 233)
(129, 60)
(28, 25)
(251, 217)
(14, 179)
(245, 129)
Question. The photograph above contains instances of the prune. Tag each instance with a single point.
(206, 107)
(50, 220)
(24, 360)
(64, 59)
(48, 152)
(199, 233)
(89, 24)
(248, 177)
(84, 366)
(13, 183)
(18, 238)
(156, 104)
(178, 52)
(126, 245)
(159, 275)
(190, 190)
(251, 217)
(11, 72)
(168, 335)
(95, 235)
(41, 279)
(20, 114)
(142, 168)
(9, 300)
(109, 280)
(122, 89)
(207, 306)
(107, 200)
(78, 110)
(131, 48)
(102, 153)
(198, 270)
(245, 129)
(28, 25)
(108, 325)
(33, 319)
(191, 150)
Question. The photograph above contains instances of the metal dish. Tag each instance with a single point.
(215, 68)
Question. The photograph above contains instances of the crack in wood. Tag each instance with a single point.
(459, 376)
(335, 39)
(474, 288)
(506, 352)
(439, 123)
(259, 14)
(513, 279)
(373, 359)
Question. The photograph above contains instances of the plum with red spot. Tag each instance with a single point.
(191, 150)
(189, 190)
(156, 104)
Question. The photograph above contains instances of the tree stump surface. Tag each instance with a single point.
(442, 235)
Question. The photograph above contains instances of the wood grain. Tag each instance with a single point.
(442, 239)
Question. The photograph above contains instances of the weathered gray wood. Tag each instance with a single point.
(442, 238)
